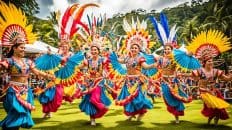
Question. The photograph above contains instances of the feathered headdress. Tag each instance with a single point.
(166, 36)
(92, 34)
(71, 23)
(13, 25)
(209, 44)
(136, 34)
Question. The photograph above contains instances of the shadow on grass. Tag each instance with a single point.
(114, 113)
(70, 113)
(42, 120)
(188, 125)
(74, 125)
(68, 107)
(128, 123)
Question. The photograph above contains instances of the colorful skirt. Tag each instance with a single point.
(174, 105)
(17, 114)
(214, 106)
(55, 102)
(95, 104)
(134, 102)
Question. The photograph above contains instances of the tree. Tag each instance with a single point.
(30, 7)
(190, 29)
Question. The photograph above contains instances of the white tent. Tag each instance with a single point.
(39, 47)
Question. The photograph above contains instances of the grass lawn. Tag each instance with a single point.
(70, 117)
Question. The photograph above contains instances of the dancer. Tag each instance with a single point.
(18, 101)
(173, 95)
(132, 96)
(206, 46)
(64, 65)
(95, 102)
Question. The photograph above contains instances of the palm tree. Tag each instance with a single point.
(220, 18)
(218, 21)
(189, 30)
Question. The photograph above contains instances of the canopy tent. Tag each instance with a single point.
(39, 47)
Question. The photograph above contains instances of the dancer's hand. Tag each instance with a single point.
(189, 53)
(3, 63)
(49, 52)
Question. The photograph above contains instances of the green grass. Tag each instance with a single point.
(69, 117)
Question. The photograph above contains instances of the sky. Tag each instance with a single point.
(110, 7)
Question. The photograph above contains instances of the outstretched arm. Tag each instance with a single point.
(40, 73)
(43, 74)
(226, 77)
(146, 66)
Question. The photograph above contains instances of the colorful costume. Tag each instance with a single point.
(173, 95)
(95, 103)
(132, 95)
(205, 46)
(214, 105)
(18, 101)
(65, 68)
(51, 95)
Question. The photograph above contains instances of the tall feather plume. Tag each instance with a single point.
(155, 24)
(138, 23)
(126, 25)
(162, 34)
(89, 22)
(143, 25)
(172, 34)
(133, 24)
(164, 22)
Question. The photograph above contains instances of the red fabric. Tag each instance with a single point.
(141, 111)
(141, 60)
(96, 100)
(128, 99)
(173, 110)
(56, 102)
(68, 99)
(210, 112)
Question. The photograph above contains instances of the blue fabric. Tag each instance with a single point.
(172, 101)
(116, 65)
(138, 103)
(69, 69)
(17, 115)
(89, 108)
(185, 61)
(149, 60)
(47, 62)
(86, 106)
(47, 96)
(104, 98)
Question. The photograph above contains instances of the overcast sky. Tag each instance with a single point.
(110, 7)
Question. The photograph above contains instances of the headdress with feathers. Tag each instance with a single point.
(13, 26)
(166, 36)
(208, 44)
(136, 34)
(70, 23)
(92, 35)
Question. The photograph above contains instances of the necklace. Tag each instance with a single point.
(95, 63)
(21, 63)
(208, 74)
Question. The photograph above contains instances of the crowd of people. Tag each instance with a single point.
(129, 72)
